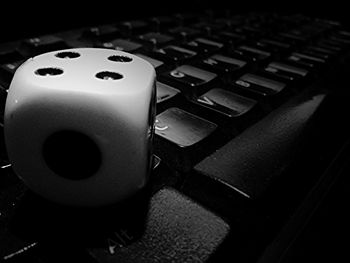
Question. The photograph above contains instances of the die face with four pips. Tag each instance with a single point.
(79, 125)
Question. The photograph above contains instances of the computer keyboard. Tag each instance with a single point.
(250, 133)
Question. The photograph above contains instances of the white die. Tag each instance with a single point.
(79, 125)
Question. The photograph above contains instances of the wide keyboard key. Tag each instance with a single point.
(249, 163)
(176, 230)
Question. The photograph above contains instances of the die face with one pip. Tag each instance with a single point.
(79, 125)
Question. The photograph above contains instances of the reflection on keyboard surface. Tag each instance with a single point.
(248, 121)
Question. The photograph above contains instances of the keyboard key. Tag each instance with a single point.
(232, 112)
(286, 71)
(161, 23)
(176, 230)
(101, 33)
(182, 128)
(184, 33)
(7, 71)
(228, 23)
(341, 40)
(226, 103)
(157, 64)
(208, 29)
(203, 45)
(292, 38)
(321, 50)
(173, 54)
(165, 92)
(185, 19)
(329, 44)
(230, 38)
(249, 163)
(73, 41)
(155, 40)
(305, 60)
(252, 53)
(344, 33)
(273, 45)
(121, 44)
(260, 85)
(190, 80)
(221, 64)
(37, 45)
(317, 54)
(9, 53)
(167, 97)
(134, 27)
(182, 138)
(249, 31)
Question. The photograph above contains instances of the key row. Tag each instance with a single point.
(228, 30)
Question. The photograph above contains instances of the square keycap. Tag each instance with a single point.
(182, 128)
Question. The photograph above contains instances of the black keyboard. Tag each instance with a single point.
(250, 133)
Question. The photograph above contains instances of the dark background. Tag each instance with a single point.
(34, 18)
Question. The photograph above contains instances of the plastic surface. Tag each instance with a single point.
(106, 95)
